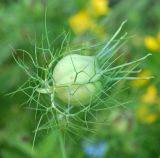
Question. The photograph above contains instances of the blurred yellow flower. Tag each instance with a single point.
(152, 43)
(100, 7)
(151, 95)
(151, 118)
(144, 115)
(138, 83)
(81, 22)
(85, 20)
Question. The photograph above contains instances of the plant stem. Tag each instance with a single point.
(62, 145)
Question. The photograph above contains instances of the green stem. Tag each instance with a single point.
(62, 144)
(59, 135)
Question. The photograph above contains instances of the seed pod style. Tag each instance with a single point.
(77, 79)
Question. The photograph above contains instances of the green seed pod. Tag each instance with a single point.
(77, 79)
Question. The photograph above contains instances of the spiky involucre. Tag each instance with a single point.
(75, 79)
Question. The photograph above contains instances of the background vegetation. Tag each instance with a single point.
(133, 130)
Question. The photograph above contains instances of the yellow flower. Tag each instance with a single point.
(138, 83)
(151, 118)
(100, 7)
(81, 22)
(151, 95)
(85, 19)
(144, 115)
(152, 43)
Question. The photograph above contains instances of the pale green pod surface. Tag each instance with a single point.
(77, 79)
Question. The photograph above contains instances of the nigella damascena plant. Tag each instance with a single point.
(70, 89)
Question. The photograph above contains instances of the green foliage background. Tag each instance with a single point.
(21, 22)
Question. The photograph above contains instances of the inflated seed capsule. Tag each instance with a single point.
(77, 79)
